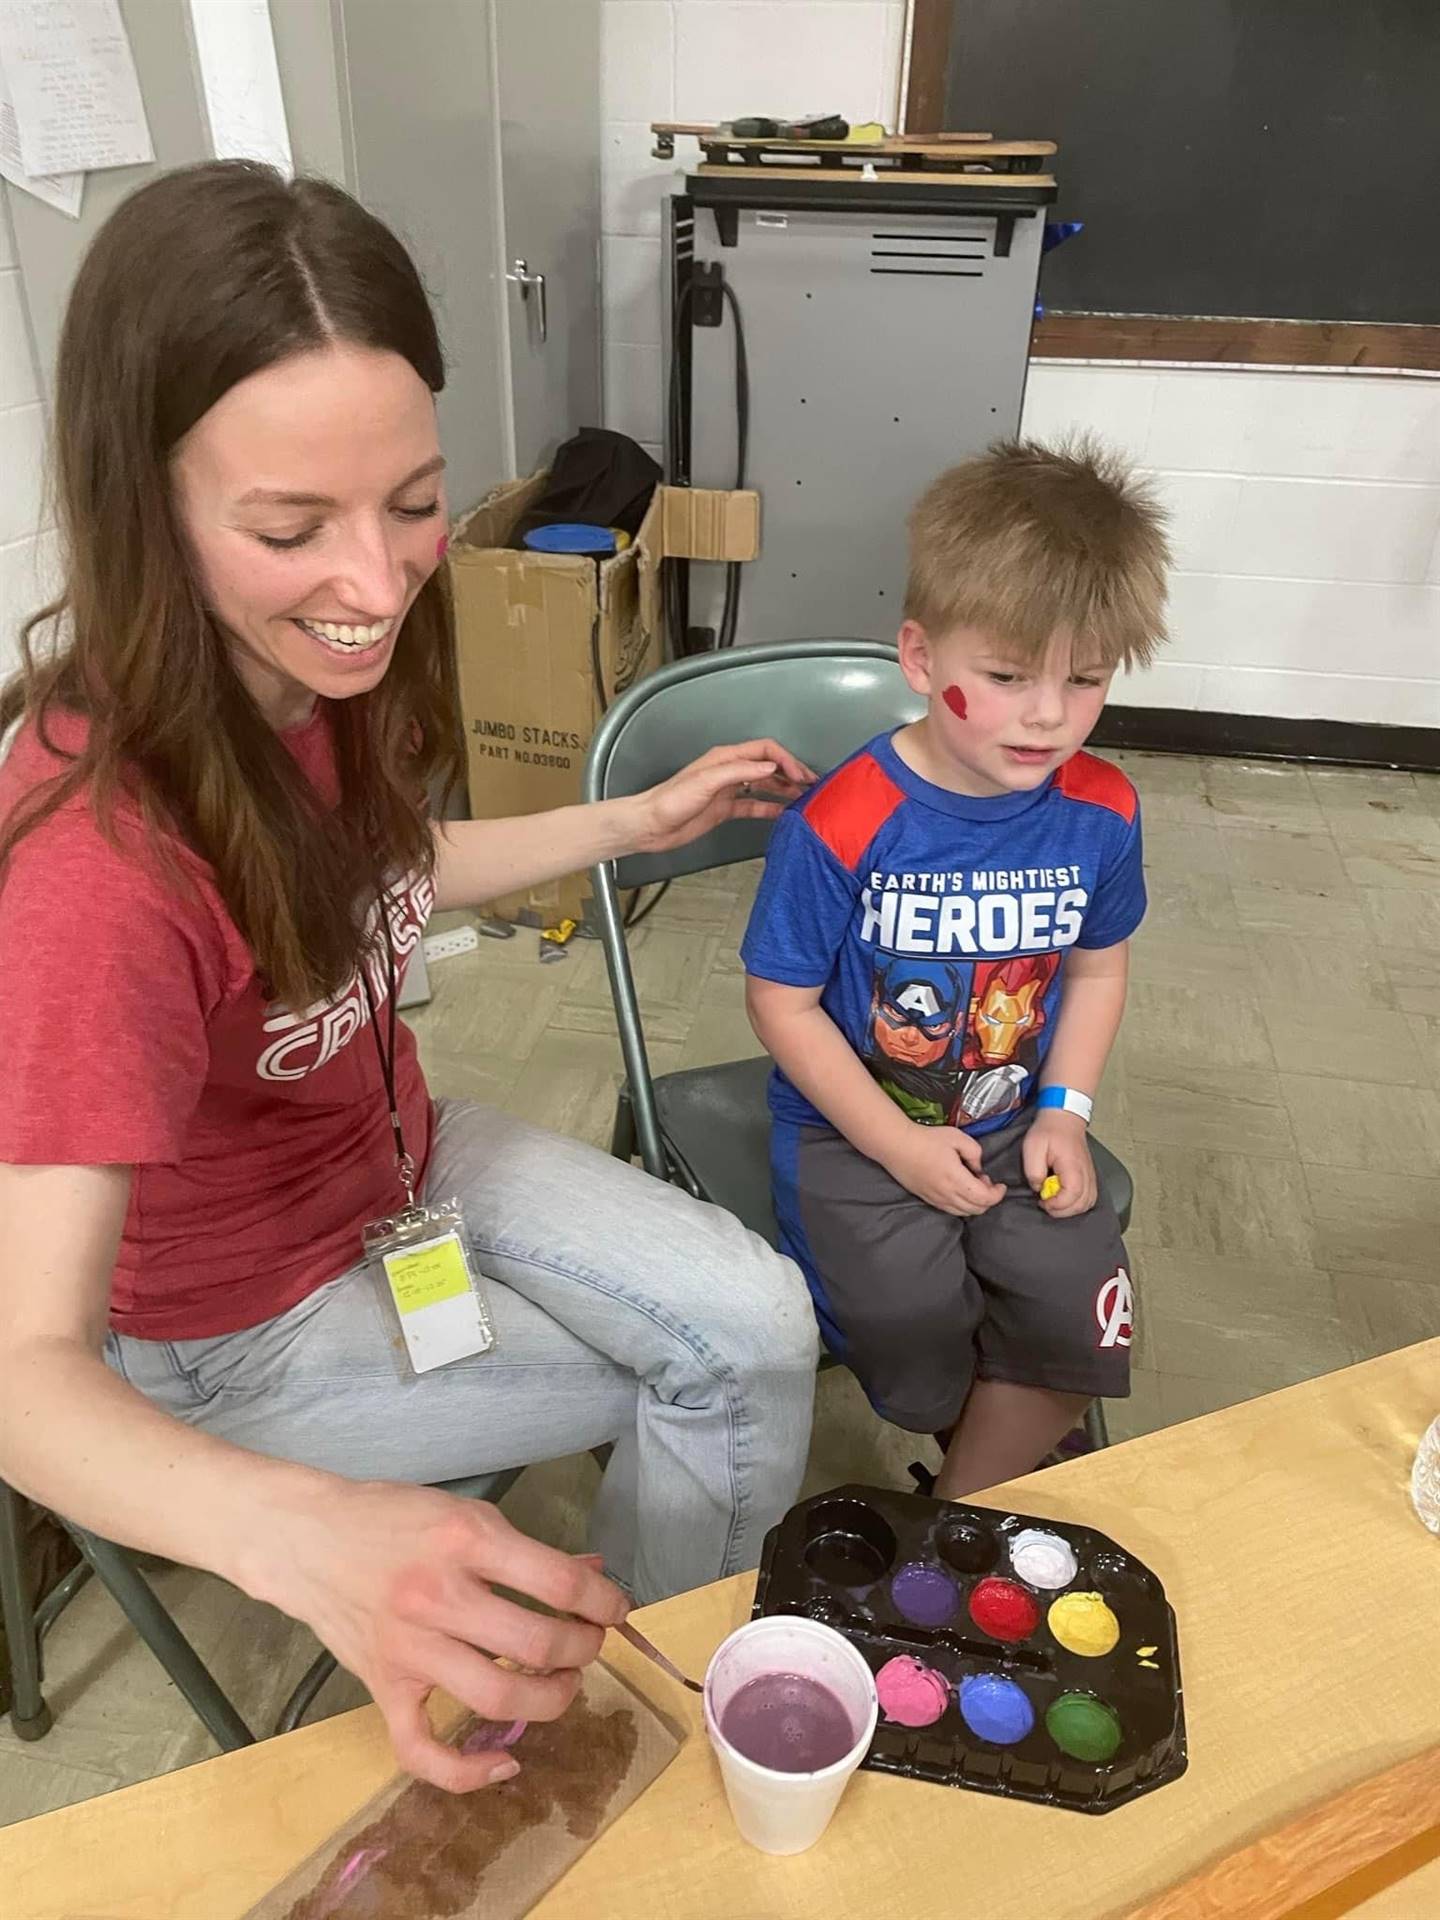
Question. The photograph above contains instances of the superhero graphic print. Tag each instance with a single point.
(953, 1042)
(936, 924)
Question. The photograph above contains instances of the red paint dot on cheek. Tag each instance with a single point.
(442, 546)
(955, 700)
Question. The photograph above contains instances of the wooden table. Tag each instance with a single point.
(1308, 1598)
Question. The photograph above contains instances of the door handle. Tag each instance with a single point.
(519, 272)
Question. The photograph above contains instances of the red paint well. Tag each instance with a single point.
(1004, 1610)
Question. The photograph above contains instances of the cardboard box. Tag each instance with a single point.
(535, 631)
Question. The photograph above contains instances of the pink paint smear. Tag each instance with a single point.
(486, 1737)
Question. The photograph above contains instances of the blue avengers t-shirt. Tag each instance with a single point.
(938, 924)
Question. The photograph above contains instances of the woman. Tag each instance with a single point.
(215, 785)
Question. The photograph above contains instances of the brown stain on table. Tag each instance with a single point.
(438, 1846)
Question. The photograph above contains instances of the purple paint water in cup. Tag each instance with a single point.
(790, 1709)
(788, 1723)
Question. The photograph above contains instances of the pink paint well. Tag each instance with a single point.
(910, 1693)
(955, 700)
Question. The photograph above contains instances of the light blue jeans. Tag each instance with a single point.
(624, 1311)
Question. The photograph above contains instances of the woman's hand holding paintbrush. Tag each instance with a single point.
(638, 1640)
(652, 1652)
(397, 1582)
(491, 1735)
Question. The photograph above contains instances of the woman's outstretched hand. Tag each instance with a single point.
(396, 1581)
(753, 780)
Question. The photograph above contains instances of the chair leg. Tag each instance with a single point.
(29, 1715)
(1095, 1426)
(165, 1640)
(303, 1698)
(622, 1137)
(60, 1596)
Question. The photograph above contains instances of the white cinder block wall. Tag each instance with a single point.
(26, 558)
(1306, 526)
(1306, 506)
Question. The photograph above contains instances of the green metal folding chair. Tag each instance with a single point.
(708, 1128)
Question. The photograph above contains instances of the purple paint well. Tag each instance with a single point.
(925, 1594)
(788, 1723)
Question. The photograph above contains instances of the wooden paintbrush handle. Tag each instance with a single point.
(1313, 1852)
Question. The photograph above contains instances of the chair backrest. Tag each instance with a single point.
(820, 698)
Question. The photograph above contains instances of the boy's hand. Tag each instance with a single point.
(942, 1165)
(1056, 1145)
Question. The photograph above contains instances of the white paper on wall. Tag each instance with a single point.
(73, 85)
(62, 190)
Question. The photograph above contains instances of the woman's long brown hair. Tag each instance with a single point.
(202, 278)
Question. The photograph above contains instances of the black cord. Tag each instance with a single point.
(635, 913)
(595, 671)
(674, 599)
(730, 612)
(674, 594)
(742, 387)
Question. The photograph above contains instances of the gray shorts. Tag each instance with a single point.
(919, 1304)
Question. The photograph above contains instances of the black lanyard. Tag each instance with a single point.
(385, 1053)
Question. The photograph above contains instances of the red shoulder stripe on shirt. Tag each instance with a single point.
(850, 809)
(1086, 778)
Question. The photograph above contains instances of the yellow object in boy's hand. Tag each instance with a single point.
(1050, 1186)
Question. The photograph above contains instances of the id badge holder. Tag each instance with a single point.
(421, 1259)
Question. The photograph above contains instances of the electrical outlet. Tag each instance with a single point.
(444, 946)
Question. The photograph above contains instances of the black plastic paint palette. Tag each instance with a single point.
(1013, 1655)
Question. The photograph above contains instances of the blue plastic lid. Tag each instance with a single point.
(571, 537)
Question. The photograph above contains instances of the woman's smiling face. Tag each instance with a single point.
(312, 503)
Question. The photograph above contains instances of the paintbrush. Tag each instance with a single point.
(652, 1652)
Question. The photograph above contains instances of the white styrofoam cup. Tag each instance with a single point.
(787, 1812)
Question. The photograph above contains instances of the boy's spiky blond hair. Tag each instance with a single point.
(1027, 540)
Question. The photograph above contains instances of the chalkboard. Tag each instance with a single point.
(1266, 158)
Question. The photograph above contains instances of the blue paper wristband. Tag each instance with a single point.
(1068, 1100)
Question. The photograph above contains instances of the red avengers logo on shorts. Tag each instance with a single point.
(1115, 1310)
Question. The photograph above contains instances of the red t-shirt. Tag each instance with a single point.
(135, 1032)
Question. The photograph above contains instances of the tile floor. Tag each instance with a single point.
(1275, 1090)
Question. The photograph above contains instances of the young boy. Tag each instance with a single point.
(937, 963)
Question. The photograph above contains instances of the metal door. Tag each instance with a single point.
(416, 91)
(547, 69)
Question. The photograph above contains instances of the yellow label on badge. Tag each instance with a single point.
(423, 1276)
